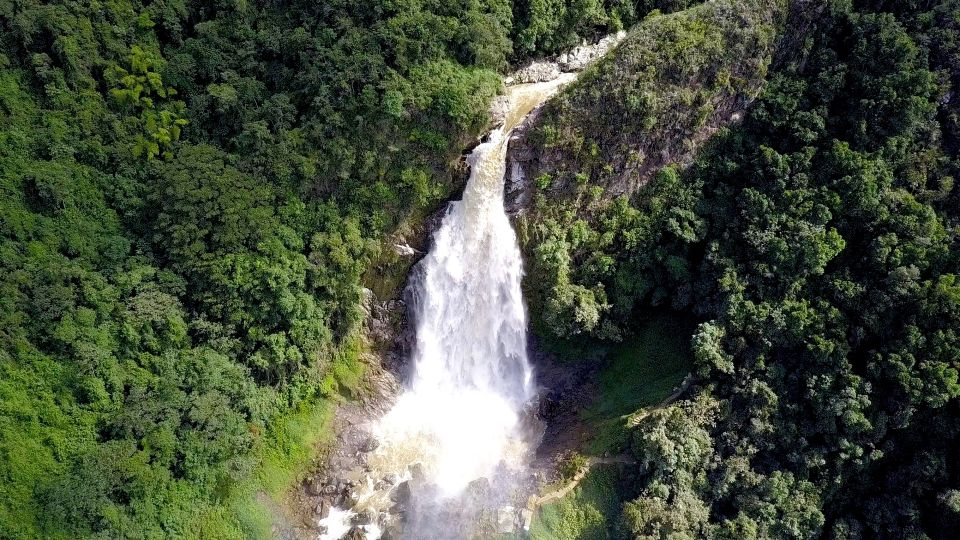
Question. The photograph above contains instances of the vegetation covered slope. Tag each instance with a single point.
(818, 242)
(190, 193)
(189, 198)
(669, 85)
(671, 82)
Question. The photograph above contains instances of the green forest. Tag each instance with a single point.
(817, 241)
(194, 195)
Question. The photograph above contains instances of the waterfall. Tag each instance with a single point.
(471, 375)
(460, 419)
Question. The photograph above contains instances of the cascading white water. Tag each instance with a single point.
(460, 415)
(471, 375)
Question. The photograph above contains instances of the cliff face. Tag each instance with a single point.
(665, 89)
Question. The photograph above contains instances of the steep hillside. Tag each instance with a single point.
(669, 85)
(666, 89)
(816, 240)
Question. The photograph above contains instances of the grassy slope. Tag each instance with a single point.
(285, 454)
(641, 372)
(584, 513)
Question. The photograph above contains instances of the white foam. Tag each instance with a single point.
(337, 523)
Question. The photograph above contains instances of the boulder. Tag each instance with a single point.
(417, 474)
(314, 486)
(404, 250)
(537, 72)
(402, 493)
(356, 533)
(364, 517)
(526, 516)
(369, 445)
(323, 509)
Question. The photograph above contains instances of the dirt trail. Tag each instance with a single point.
(565, 490)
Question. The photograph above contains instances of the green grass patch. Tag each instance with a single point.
(587, 513)
(345, 373)
(41, 427)
(286, 453)
(640, 372)
(293, 442)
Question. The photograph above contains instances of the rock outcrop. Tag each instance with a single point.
(540, 71)
(581, 56)
(575, 59)
(548, 69)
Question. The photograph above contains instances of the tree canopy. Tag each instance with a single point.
(817, 241)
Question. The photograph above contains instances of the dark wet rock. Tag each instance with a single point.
(476, 494)
(369, 445)
(314, 486)
(381, 317)
(344, 497)
(356, 533)
(392, 530)
(478, 488)
(366, 517)
(523, 160)
(402, 493)
(417, 474)
(550, 406)
(323, 509)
